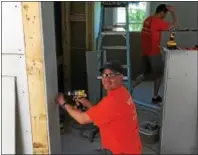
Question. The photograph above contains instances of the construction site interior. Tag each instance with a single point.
(66, 59)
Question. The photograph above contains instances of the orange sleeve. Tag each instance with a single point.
(163, 25)
(104, 112)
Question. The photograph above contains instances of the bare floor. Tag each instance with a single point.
(74, 143)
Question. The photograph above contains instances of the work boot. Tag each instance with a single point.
(157, 99)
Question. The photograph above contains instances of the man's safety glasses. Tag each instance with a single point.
(110, 75)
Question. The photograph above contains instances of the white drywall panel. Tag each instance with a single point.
(51, 84)
(179, 123)
(14, 65)
(8, 115)
(12, 28)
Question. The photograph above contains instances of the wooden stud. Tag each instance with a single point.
(92, 25)
(89, 12)
(77, 17)
(65, 24)
(35, 75)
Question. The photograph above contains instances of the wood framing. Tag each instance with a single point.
(77, 22)
(66, 43)
(89, 12)
(35, 75)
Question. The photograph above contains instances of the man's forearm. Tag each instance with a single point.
(89, 105)
(80, 117)
(174, 19)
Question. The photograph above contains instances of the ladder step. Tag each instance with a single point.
(100, 77)
(115, 26)
(114, 47)
(113, 33)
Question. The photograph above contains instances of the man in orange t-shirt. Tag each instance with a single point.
(151, 52)
(115, 114)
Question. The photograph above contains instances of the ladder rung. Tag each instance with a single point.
(100, 77)
(113, 33)
(115, 26)
(114, 47)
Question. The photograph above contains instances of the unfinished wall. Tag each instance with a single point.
(13, 64)
(187, 13)
(28, 54)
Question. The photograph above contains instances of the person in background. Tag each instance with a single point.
(115, 114)
(152, 61)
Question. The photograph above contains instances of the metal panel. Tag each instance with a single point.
(51, 76)
(8, 115)
(179, 118)
(14, 65)
(12, 28)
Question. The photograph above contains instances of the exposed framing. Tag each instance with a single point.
(35, 75)
(89, 12)
(66, 43)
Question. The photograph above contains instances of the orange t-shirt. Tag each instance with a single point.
(151, 35)
(116, 117)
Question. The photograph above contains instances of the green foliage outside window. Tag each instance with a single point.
(136, 19)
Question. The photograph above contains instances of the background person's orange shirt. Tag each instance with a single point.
(116, 117)
(151, 35)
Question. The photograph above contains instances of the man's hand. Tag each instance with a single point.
(60, 99)
(175, 22)
(83, 101)
(170, 8)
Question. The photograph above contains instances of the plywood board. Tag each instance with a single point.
(179, 123)
(12, 28)
(8, 115)
(14, 65)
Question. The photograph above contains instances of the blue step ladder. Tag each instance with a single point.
(102, 50)
(125, 33)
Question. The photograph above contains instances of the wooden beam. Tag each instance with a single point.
(65, 24)
(77, 17)
(89, 12)
(35, 75)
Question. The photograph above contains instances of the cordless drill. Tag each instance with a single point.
(78, 94)
(171, 44)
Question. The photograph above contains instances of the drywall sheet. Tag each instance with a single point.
(8, 115)
(92, 73)
(179, 119)
(51, 84)
(14, 65)
(12, 28)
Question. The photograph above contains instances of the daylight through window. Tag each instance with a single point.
(137, 13)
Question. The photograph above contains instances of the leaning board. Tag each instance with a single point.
(8, 115)
(179, 118)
